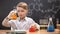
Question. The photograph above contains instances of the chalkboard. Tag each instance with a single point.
(38, 9)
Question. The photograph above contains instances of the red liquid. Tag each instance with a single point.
(32, 29)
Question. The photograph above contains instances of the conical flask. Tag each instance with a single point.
(50, 27)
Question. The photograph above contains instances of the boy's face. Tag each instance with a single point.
(21, 12)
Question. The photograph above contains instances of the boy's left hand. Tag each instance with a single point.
(34, 26)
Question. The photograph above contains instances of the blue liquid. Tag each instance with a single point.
(50, 29)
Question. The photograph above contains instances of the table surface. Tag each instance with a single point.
(37, 32)
(57, 31)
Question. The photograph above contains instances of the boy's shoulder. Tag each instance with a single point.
(28, 18)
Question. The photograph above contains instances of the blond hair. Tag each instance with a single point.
(23, 5)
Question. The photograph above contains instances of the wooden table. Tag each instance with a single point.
(37, 32)
(4, 32)
(45, 32)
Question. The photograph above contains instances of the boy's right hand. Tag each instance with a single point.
(12, 16)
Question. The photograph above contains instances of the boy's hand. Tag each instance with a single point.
(34, 26)
(12, 15)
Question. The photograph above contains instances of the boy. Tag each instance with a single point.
(22, 22)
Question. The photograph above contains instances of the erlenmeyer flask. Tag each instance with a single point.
(50, 27)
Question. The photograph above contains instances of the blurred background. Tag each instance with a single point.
(38, 9)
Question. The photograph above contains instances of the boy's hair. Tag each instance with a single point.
(23, 5)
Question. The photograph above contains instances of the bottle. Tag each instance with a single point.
(50, 27)
(14, 16)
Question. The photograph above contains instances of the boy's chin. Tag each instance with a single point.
(22, 17)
